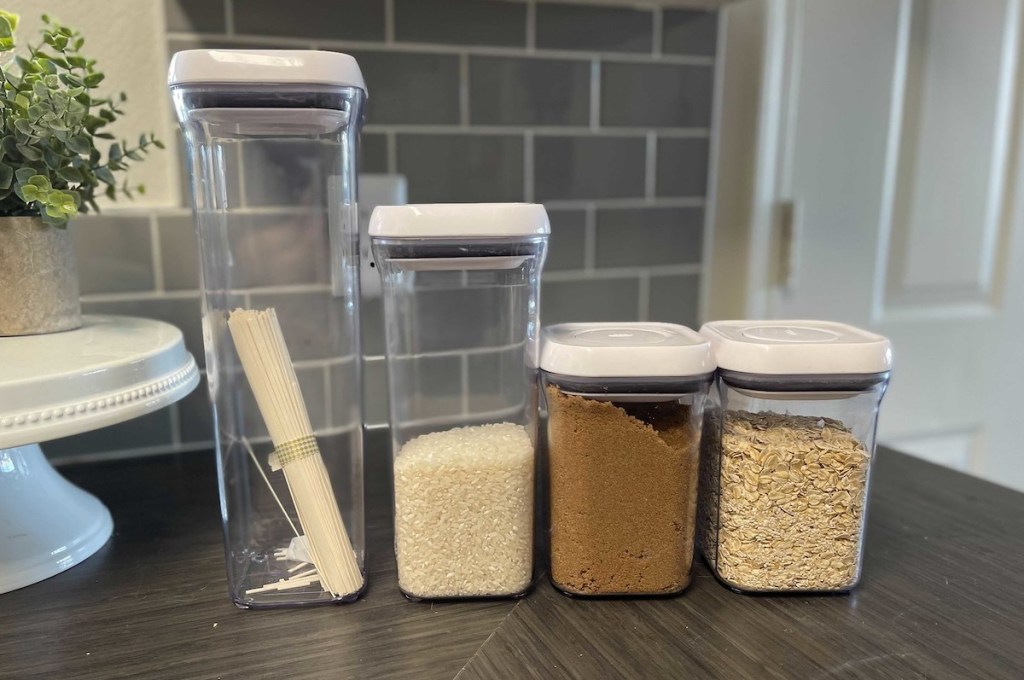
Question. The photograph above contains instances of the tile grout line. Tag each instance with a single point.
(651, 164)
(589, 238)
(464, 90)
(328, 397)
(485, 50)
(229, 17)
(595, 94)
(644, 297)
(542, 130)
(658, 29)
(155, 252)
(560, 275)
(633, 202)
(392, 151)
(531, 27)
(528, 159)
(389, 22)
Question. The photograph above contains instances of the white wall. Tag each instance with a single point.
(126, 37)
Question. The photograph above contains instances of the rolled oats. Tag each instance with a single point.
(782, 500)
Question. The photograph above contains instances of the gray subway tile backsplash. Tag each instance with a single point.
(373, 152)
(566, 245)
(525, 91)
(113, 253)
(640, 237)
(410, 87)
(304, 316)
(179, 252)
(588, 167)
(682, 166)
(375, 392)
(675, 299)
(201, 16)
(684, 94)
(416, 85)
(581, 27)
(461, 22)
(689, 31)
(349, 20)
(462, 168)
(615, 299)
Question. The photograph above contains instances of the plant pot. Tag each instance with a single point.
(38, 278)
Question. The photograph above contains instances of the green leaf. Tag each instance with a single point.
(8, 24)
(76, 61)
(6, 176)
(158, 144)
(105, 176)
(30, 193)
(104, 135)
(134, 155)
(30, 153)
(21, 102)
(79, 144)
(41, 182)
(93, 79)
(26, 65)
(52, 82)
(23, 175)
(68, 174)
(142, 189)
(52, 159)
(71, 80)
(115, 152)
(24, 125)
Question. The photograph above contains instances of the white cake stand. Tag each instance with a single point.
(111, 370)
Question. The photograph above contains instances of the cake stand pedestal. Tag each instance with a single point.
(111, 370)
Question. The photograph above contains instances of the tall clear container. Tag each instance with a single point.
(271, 141)
(625, 404)
(789, 438)
(461, 305)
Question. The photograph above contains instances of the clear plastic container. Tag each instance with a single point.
(271, 141)
(625, 405)
(789, 437)
(461, 302)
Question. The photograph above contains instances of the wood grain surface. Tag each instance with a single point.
(942, 597)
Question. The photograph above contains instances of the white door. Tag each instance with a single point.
(890, 197)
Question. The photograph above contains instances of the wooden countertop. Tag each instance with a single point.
(942, 597)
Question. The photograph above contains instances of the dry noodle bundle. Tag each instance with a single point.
(268, 367)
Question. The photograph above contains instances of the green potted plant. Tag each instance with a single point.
(51, 169)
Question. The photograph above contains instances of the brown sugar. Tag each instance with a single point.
(623, 482)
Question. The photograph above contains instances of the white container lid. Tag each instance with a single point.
(262, 67)
(624, 350)
(457, 220)
(797, 348)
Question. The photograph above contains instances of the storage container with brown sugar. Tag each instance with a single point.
(789, 438)
(625, 405)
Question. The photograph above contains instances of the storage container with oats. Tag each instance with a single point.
(789, 440)
(461, 300)
(624, 420)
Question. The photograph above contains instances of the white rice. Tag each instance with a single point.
(464, 512)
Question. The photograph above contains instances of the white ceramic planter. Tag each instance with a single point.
(38, 278)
